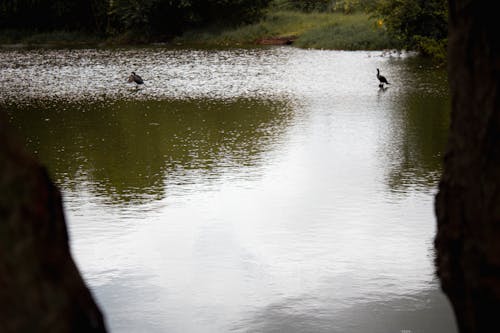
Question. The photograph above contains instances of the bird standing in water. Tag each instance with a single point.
(382, 79)
(135, 78)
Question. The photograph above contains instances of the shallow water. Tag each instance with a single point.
(248, 190)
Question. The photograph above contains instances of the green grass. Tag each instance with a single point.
(347, 33)
(313, 30)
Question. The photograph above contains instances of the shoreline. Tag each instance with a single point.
(303, 30)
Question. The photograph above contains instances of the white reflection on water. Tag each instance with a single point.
(76, 74)
(313, 240)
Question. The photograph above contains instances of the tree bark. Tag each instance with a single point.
(41, 289)
(468, 203)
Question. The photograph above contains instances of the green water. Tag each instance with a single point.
(132, 150)
(256, 190)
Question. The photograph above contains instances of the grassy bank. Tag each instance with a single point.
(309, 30)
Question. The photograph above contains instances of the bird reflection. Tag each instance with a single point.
(381, 88)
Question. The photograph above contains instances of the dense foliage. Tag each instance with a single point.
(418, 24)
(415, 24)
(115, 16)
(47, 14)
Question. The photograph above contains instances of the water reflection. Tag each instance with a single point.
(132, 151)
(102, 73)
(415, 138)
(415, 151)
(402, 313)
(269, 189)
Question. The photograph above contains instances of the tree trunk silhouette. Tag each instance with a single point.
(468, 202)
(41, 289)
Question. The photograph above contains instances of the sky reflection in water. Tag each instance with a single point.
(261, 190)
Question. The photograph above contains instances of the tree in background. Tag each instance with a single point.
(45, 15)
(151, 17)
(418, 24)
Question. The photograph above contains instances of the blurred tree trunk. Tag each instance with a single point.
(41, 289)
(468, 202)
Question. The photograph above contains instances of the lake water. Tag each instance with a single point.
(245, 190)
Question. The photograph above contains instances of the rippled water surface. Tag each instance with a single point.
(248, 190)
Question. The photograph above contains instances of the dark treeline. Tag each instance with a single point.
(46, 15)
(418, 24)
(108, 17)
(415, 24)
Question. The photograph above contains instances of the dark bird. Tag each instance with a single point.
(135, 78)
(381, 78)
